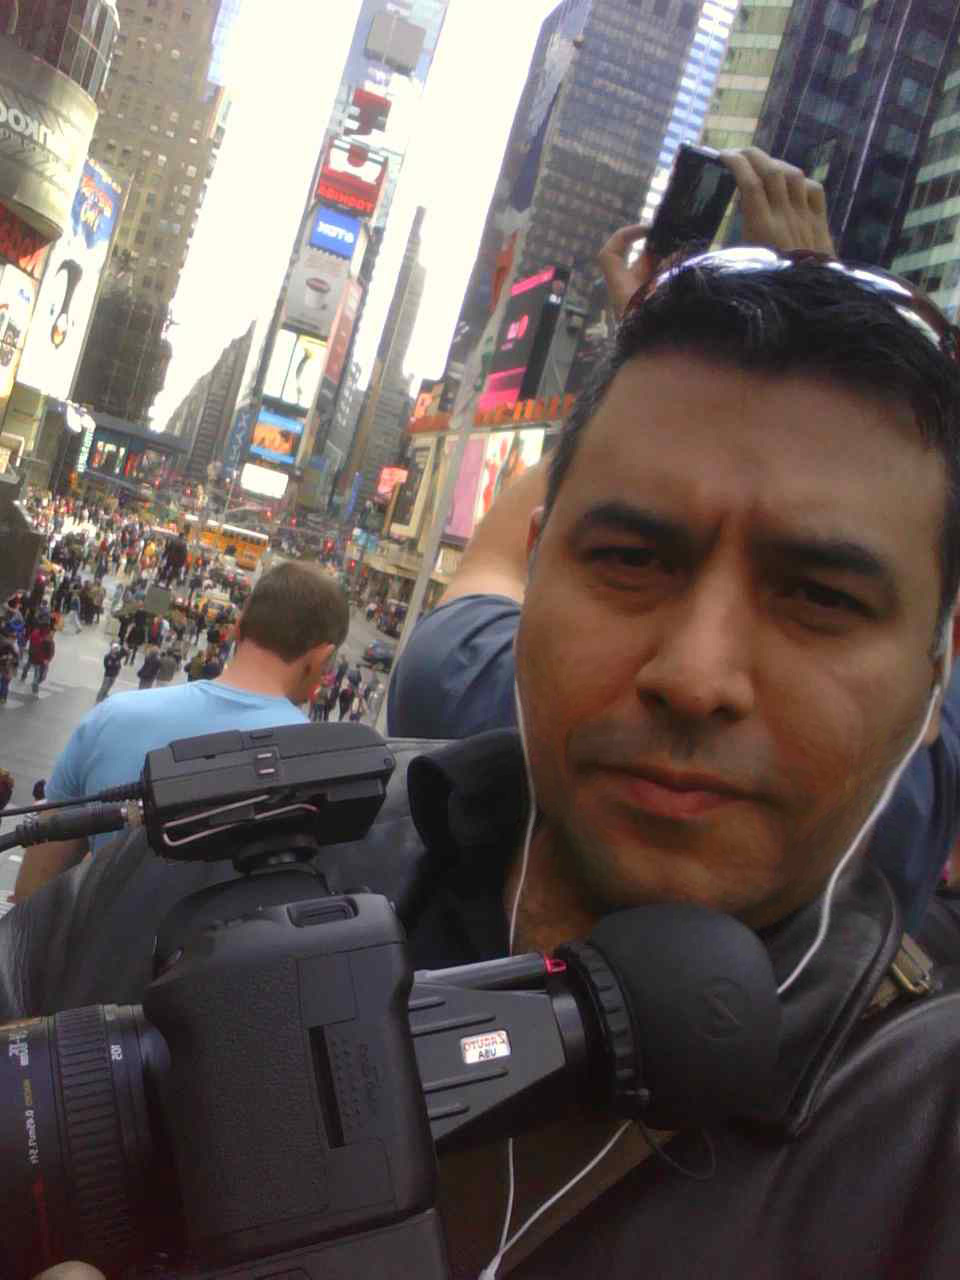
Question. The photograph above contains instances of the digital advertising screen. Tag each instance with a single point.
(342, 331)
(351, 177)
(412, 494)
(334, 232)
(295, 370)
(461, 517)
(69, 286)
(524, 339)
(276, 437)
(508, 454)
(263, 481)
(388, 480)
(17, 294)
(317, 282)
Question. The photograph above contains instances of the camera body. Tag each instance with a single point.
(287, 1031)
(274, 1108)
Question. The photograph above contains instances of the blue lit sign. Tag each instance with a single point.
(334, 232)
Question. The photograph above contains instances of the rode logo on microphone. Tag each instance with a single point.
(725, 1009)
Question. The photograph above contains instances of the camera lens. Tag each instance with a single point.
(76, 1152)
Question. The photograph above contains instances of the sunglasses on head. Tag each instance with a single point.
(913, 305)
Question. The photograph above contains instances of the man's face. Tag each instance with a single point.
(726, 641)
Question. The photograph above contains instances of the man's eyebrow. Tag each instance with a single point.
(809, 550)
(623, 517)
(838, 554)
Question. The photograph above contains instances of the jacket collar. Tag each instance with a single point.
(468, 801)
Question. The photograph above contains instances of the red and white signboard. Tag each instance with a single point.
(351, 177)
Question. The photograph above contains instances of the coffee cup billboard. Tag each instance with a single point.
(316, 286)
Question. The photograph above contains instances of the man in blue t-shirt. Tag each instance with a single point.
(293, 623)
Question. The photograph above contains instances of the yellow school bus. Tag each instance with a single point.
(245, 545)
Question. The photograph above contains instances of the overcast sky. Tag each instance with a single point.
(284, 79)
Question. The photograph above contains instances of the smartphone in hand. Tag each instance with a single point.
(694, 203)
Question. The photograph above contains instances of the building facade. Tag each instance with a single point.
(605, 132)
(322, 301)
(928, 251)
(202, 419)
(744, 77)
(694, 93)
(159, 132)
(54, 60)
(382, 424)
(851, 98)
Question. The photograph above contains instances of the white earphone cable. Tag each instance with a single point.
(878, 808)
(506, 1244)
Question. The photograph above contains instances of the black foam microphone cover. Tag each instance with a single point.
(702, 998)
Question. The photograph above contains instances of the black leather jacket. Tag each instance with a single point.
(850, 1171)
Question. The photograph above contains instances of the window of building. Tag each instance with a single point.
(147, 282)
(175, 55)
(901, 142)
(913, 94)
(926, 47)
(140, 238)
(191, 170)
(161, 161)
(151, 200)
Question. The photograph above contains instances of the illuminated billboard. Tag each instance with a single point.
(69, 287)
(428, 401)
(276, 437)
(524, 341)
(295, 369)
(316, 286)
(334, 232)
(343, 331)
(351, 177)
(460, 521)
(263, 481)
(508, 454)
(388, 480)
(412, 494)
(18, 292)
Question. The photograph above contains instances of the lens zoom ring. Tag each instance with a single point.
(97, 1168)
(612, 1008)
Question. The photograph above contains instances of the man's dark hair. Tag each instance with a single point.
(292, 609)
(808, 319)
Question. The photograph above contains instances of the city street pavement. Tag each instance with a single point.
(34, 730)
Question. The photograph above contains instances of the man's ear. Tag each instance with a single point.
(321, 658)
(944, 668)
(537, 518)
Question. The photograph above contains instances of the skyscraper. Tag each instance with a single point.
(159, 131)
(584, 144)
(694, 92)
(744, 77)
(851, 101)
(361, 154)
(928, 250)
(386, 407)
(607, 126)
